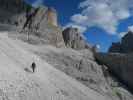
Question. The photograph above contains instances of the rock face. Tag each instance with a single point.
(116, 47)
(41, 26)
(40, 22)
(52, 16)
(125, 46)
(11, 9)
(120, 62)
(17, 7)
(74, 39)
(5, 4)
(127, 41)
(120, 65)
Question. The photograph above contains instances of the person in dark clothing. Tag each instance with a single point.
(33, 66)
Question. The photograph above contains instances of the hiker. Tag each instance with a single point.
(33, 66)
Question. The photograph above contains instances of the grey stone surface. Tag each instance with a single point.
(10, 9)
(79, 62)
(82, 66)
(120, 65)
(43, 29)
(38, 25)
(73, 38)
(122, 93)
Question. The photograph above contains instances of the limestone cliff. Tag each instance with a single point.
(52, 16)
(74, 39)
(41, 25)
(40, 22)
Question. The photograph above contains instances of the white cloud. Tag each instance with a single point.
(78, 18)
(122, 14)
(81, 28)
(102, 13)
(37, 3)
(122, 34)
(130, 28)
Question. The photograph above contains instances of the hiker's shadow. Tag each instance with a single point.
(28, 70)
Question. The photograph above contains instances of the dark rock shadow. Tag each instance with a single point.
(10, 12)
(28, 70)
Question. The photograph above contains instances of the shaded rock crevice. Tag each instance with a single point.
(120, 65)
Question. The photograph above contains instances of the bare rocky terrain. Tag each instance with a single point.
(18, 82)
(67, 66)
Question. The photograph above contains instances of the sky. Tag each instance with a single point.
(101, 21)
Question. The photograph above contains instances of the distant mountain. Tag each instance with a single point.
(125, 46)
(119, 60)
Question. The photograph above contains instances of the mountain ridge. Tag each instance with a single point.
(63, 72)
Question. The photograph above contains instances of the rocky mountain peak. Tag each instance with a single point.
(52, 16)
(128, 36)
(47, 43)
(125, 46)
(74, 39)
(40, 22)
